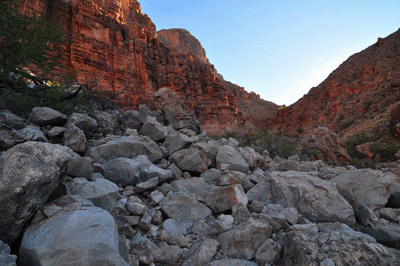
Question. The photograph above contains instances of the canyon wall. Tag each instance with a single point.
(115, 47)
(357, 97)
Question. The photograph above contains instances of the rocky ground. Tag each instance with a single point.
(151, 188)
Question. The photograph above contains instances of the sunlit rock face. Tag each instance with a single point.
(357, 97)
(114, 46)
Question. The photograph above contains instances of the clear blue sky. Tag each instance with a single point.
(279, 49)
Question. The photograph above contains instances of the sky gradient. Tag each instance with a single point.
(279, 49)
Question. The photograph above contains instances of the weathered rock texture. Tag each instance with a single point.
(357, 97)
(115, 46)
(30, 173)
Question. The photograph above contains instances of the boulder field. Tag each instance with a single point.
(151, 188)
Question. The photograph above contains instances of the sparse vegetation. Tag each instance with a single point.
(276, 144)
(385, 150)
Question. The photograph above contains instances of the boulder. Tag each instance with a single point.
(108, 122)
(176, 141)
(244, 240)
(192, 160)
(80, 166)
(132, 119)
(33, 133)
(126, 171)
(128, 147)
(11, 121)
(326, 145)
(75, 139)
(221, 199)
(184, 208)
(167, 255)
(174, 111)
(252, 158)
(210, 148)
(201, 253)
(228, 155)
(385, 233)
(314, 198)
(174, 228)
(301, 249)
(189, 186)
(101, 192)
(78, 234)
(364, 186)
(83, 122)
(10, 138)
(43, 116)
(269, 252)
(232, 262)
(153, 129)
(6, 259)
(28, 175)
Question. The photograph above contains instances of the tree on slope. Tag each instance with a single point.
(24, 41)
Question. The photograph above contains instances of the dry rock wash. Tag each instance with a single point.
(146, 187)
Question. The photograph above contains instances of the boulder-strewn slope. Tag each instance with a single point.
(114, 46)
(357, 97)
(150, 188)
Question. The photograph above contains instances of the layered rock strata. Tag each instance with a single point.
(114, 47)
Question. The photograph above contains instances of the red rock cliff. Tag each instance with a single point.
(357, 97)
(114, 46)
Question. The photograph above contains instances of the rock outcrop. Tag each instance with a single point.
(114, 46)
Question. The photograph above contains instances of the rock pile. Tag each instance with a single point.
(135, 189)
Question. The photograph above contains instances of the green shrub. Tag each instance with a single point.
(24, 41)
(386, 149)
(363, 163)
(354, 141)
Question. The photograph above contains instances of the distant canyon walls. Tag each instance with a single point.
(114, 46)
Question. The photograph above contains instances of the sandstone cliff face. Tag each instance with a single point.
(114, 46)
(356, 97)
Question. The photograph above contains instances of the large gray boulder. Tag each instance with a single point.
(101, 192)
(243, 241)
(201, 253)
(6, 259)
(126, 171)
(132, 119)
(301, 249)
(176, 141)
(78, 234)
(108, 122)
(28, 175)
(43, 116)
(314, 198)
(75, 139)
(189, 186)
(192, 160)
(80, 166)
(128, 147)
(10, 138)
(167, 255)
(365, 187)
(153, 129)
(232, 262)
(221, 199)
(84, 122)
(184, 208)
(33, 133)
(228, 155)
